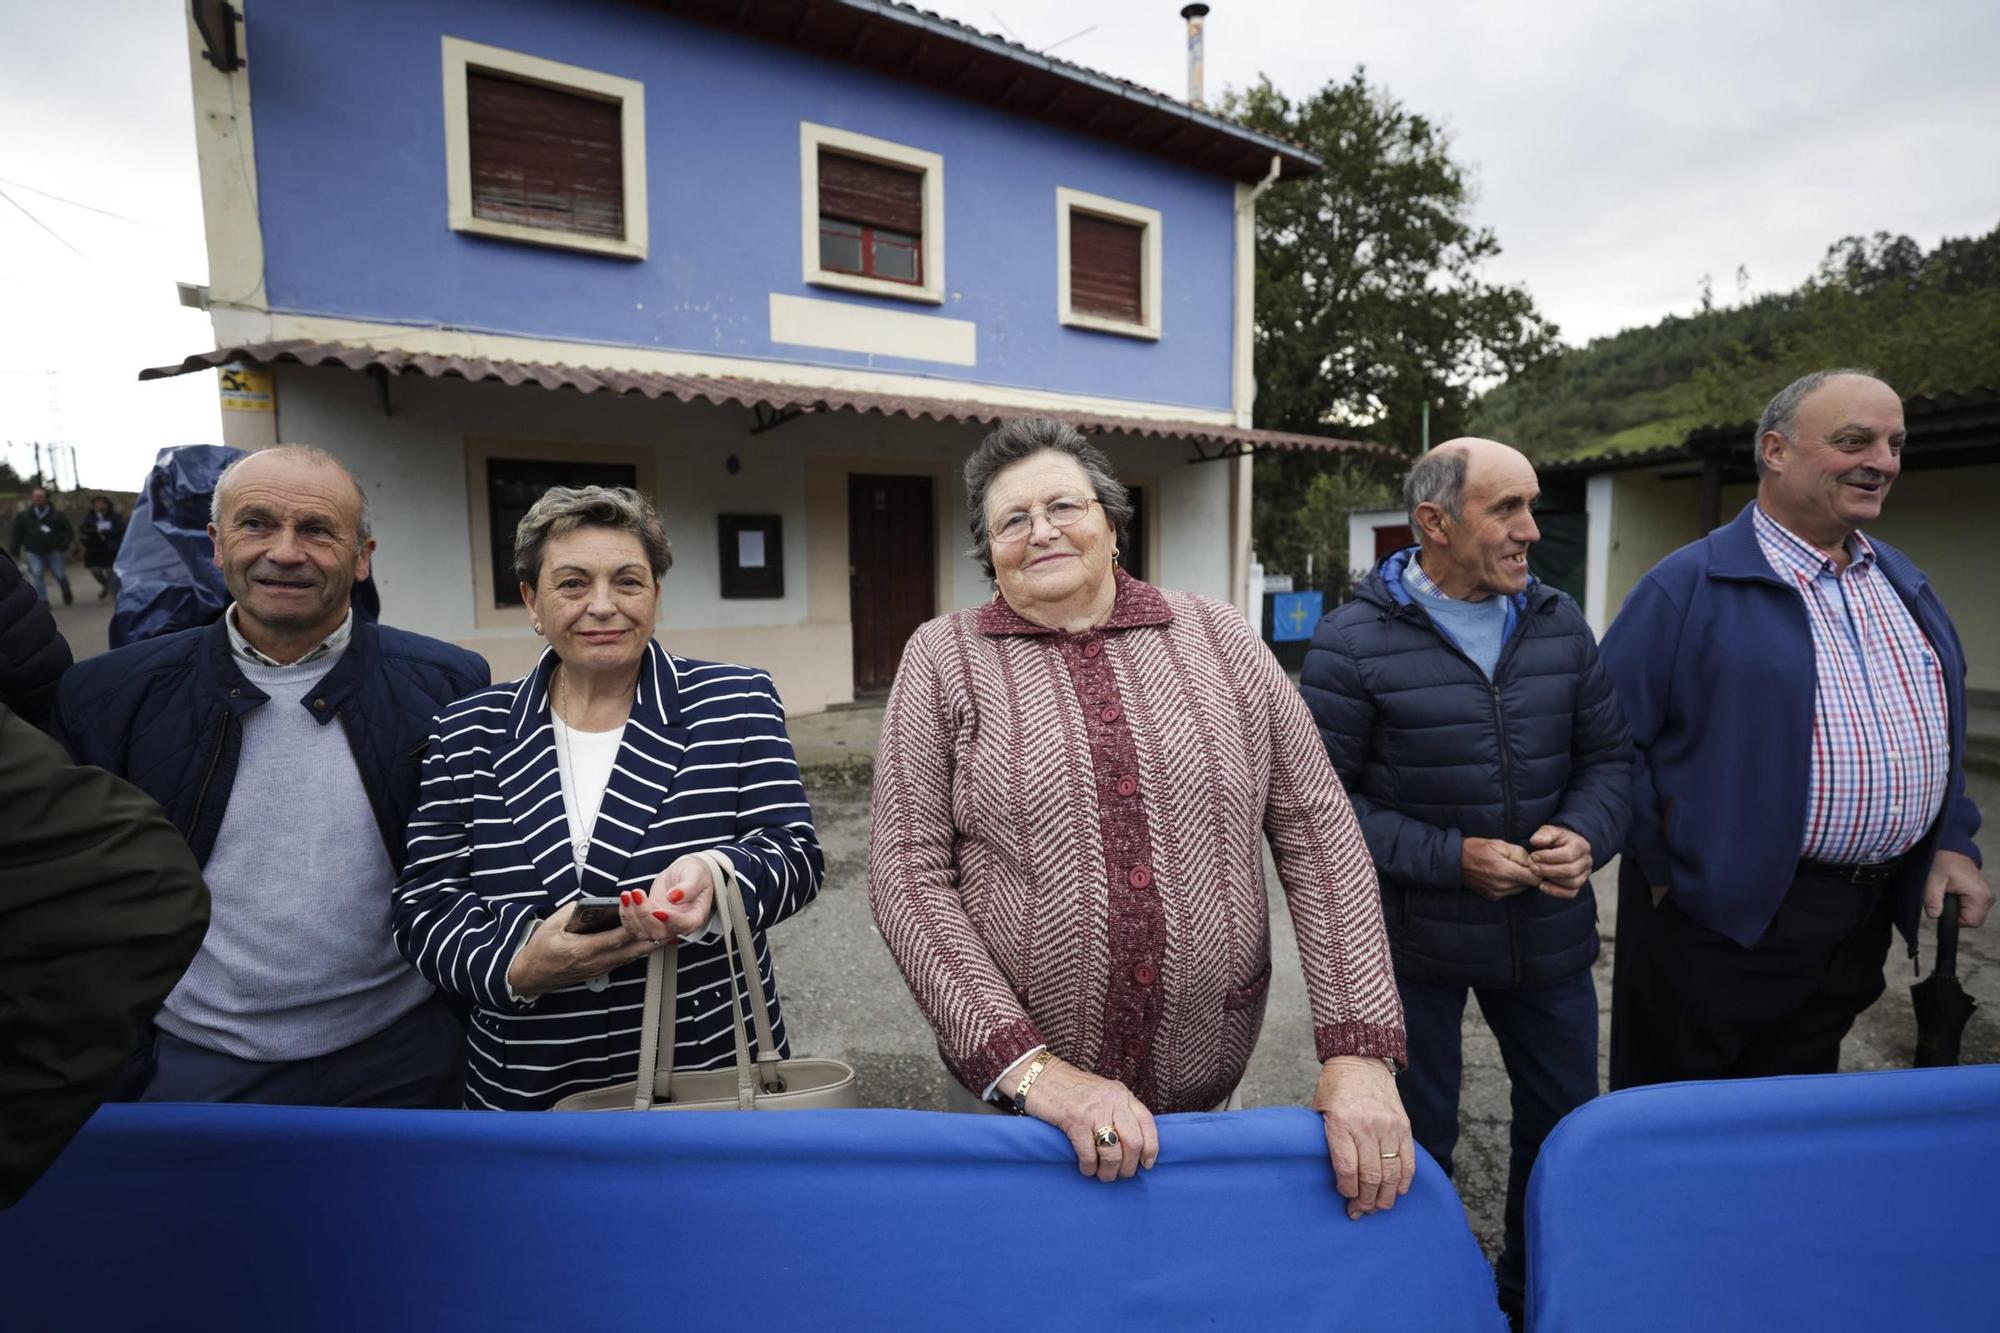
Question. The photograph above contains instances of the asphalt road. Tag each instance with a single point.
(844, 996)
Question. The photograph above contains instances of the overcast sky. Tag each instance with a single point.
(1622, 151)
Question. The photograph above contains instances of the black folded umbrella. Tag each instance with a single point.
(1942, 1004)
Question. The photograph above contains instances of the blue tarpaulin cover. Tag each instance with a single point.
(1837, 1202)
(239, 1217)
(166, 572)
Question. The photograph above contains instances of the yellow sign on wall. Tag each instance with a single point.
(245, 390)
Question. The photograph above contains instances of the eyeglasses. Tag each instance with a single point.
(1061, 512)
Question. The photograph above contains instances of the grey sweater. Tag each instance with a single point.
(298, 960)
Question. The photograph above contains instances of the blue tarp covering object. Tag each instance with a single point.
(166, 572)
(1837, 1202)
(239, 1217)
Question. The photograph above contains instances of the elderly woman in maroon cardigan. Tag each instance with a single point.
(1072, 786)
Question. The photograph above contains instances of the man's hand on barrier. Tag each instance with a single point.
(1494, 868)
(553, 958)
(1562, 857)
(1955, 872)
(1367, 1132)
(1079, 1103)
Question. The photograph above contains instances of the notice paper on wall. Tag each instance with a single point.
(750, 548)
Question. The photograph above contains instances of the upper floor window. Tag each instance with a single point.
(873, 215)
(544, 152)
(1107, 264)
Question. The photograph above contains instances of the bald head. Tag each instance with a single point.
(1471, 505)
(1441, 476)
(282, 463)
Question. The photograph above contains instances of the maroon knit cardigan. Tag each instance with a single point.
(1066, 848)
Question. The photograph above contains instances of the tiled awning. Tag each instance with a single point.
(772, 396)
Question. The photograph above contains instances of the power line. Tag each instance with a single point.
(73, 203)
(43, 225)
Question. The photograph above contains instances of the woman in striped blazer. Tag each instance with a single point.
(601, 773)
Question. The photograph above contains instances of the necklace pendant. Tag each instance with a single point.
(580, 852)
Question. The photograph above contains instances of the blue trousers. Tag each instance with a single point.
(40, 564)
(417, 1061)
(1548, 1041)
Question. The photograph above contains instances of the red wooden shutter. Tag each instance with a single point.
(870, 193)
(1105, 266)
(542, 157)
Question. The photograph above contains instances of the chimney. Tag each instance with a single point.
(1194, 15)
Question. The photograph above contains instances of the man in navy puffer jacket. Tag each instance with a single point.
(1464, 708)
(285, 742)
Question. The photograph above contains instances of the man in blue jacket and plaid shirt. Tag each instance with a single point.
(1797, 695)
(1463, 705)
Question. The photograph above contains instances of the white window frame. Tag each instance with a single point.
(1117, 210)
(460, 56)
(814, 137)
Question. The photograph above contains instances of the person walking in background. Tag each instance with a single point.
(103, 533)
(1463, 705)
(1072, 792)
(285, 741)
(1797, 694)
(42, 536)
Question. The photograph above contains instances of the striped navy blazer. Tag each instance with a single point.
(704, 762)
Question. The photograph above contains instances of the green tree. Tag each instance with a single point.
(1369, 299)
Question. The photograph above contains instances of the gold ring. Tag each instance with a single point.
(1106, 1137)
(1390, 1156)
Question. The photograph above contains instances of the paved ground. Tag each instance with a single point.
(843, 995)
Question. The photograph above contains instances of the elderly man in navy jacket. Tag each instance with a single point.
(1797, 694)
(284, 741)
(1464, 707)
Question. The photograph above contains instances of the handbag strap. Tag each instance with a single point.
(656, 1028)
(656, 1021)
(729, 893)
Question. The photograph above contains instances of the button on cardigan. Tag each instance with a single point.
(1067, 848)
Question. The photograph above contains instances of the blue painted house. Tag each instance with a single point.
(778, 264)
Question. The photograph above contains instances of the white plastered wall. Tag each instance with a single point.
(412, 462)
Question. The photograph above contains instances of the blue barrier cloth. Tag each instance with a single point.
(1293, 615)
(238, 1217)
(1834, 1202)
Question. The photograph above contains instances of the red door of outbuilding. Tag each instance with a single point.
(892, 566)
(1392, 539)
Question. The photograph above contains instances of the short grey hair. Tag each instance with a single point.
(1781, 414)
(564, 509)
(1025, 437)
(1437, 478)
(365, 524)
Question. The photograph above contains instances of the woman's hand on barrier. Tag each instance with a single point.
(1079, 1103)
(679, 902)
(1367, 1132)
(553, 957)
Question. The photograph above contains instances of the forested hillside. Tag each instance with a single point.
(1927, 322)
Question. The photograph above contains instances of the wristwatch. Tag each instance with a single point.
(1018, 1104)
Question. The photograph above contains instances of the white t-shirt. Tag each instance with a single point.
(593, 753)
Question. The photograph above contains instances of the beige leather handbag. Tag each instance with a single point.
(763, 1083)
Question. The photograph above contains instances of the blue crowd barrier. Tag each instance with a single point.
(232, 1217)
(1861, 1202)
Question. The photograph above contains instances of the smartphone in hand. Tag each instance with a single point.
(593, 916)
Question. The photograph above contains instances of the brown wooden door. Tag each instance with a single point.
(1392, 539)
(892, 568)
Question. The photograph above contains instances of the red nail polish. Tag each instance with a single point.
(675, 896)
(624, 899)
(659, 916)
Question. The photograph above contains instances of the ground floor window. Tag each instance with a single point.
(512, 487)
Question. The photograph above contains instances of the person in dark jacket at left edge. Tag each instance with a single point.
(1483, 748)
(285, 741)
